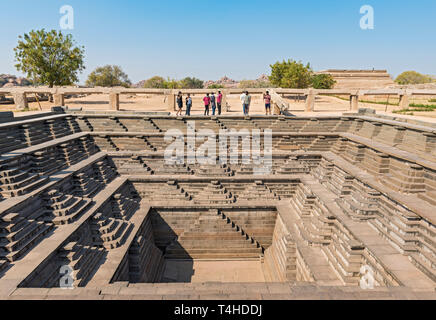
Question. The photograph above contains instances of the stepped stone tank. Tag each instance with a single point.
(88, 201)
(360, 79)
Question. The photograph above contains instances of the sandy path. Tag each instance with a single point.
(323, 105)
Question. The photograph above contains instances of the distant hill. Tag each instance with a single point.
(225, 81)
(140, 84)
(8, 80)
(230, 83)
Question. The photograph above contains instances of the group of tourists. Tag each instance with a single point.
(246, 102)
(215, 102)
(210, 100)
(188, 103)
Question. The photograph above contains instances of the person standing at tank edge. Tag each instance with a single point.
(188, 105)
(213, 103)
(246, 100)
(206, 101)
(242, 98)
(267, 99)
(219, 100)
(179, 104)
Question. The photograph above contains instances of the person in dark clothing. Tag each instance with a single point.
(179, 104)
(188, 105)
(213, 103)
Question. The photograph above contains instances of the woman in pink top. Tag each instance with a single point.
(206, 100)
(219, 100)
(267, 99)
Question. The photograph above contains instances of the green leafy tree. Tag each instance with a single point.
(323, 81)
(108, 76)
(172, 84)
(291, 74)
(155, 82)
(49, 58)
(413, 77)
(191, 83)
(215, 86)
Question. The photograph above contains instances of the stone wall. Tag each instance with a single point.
(360, 79)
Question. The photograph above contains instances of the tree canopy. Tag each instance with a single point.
(323, 81)
(186, 83)
(50, 58)
(215, 86)
(413, 77)
(294, 74)
(291, 74)
(172, 84)
(155, 82)
(108, 76)
(191, 83)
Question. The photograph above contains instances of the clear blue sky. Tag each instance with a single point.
(238, 38)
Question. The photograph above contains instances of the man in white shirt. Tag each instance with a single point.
(246, 101)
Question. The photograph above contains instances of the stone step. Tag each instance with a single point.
(18, 248)
(7, 171)
(13, 222)
(15, 178)
(403, 243)
(64, 202)
(22, 180)
(80, 258)
(426, 262)
(214, 256)
(429, 196)
(29, 185)
(212, 243)
(73, 213)
(14, 236)
(95, 258)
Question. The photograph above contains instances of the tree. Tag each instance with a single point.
(323, 81)
(191, 83)
(413, 77)
(215, 86)
(155, 82)
(172, 84)
(108, 76)
(49, 58)
(291, 74)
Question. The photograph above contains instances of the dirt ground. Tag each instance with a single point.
(323, 104)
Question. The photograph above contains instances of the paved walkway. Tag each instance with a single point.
(199, 271)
